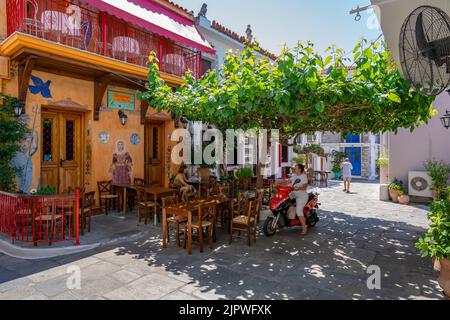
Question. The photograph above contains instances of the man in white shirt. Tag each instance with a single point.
(299, 181)
(346, 168)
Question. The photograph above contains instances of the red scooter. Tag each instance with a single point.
(284, 214)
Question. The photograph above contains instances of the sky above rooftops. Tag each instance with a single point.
(324, 22)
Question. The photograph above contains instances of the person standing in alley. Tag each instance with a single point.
(346, 169)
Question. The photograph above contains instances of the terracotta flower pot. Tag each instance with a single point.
(404, 199)
(394, 195)
(444, 277)
(436, 265)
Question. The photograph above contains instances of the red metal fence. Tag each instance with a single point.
(89, 29)
(40, 219)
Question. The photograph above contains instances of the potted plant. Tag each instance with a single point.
(436, 242)
(338, 158)
(299, 159)
(403, 198)
(395, 189)
(439, 172)
(244, 176)
(383, 164)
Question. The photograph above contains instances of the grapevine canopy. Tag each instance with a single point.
(302, 92)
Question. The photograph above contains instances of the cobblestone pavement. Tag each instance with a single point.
(356, 231)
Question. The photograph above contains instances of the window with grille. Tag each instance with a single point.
(70, 140)
(47, 130)
(155, 144)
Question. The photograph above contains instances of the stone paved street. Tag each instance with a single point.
(356, 231)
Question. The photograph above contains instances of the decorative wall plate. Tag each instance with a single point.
(104, 137)
(135, 139)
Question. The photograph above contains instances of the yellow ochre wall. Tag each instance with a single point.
(81, 92)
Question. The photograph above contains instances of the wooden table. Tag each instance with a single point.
(323, 177)
(125, 188)
(156, 191)
(159, 192)
(185, 210)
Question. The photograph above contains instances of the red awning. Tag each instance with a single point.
(157, 19)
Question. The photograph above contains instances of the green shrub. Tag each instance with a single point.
(397, 185)
(338, 158)
(300, 159)
(46, 191)
(382, 162)
(439, 172)
(12, 132)
(436, 242)
(244, 173)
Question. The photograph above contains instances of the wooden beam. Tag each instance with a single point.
(144, 109)
(100, 86)
(25, 70)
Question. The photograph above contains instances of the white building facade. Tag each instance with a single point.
(409, 151)
(223, 41)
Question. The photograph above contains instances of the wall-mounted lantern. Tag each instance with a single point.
(18, 108)
(123, 117)
(445, 119)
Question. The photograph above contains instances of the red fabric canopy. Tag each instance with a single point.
(157, 19)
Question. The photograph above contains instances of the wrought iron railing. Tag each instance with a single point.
(86, 28)
(40, 219)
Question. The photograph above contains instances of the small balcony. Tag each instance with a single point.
(85, 28)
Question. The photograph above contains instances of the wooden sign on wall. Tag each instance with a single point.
(121, 100)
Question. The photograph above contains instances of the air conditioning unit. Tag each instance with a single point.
(419, 184)
(4, 68)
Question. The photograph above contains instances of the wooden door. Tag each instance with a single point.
(61, 150)
(154, 155)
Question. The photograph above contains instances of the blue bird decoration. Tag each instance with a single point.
(40, 87)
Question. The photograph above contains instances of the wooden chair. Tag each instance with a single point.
(106, 196)
(87, 204)
(192, 196)
(259, 200)
(145, 204)
(131, 193)
(245, 223)
(139, 182)
(224, 191)
(174, 219)
(204, 225)
(239, 204)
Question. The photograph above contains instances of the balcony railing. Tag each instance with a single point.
(82, 27)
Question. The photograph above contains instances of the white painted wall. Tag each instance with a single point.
(219, 41)
(393, 13)
(408, 151)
